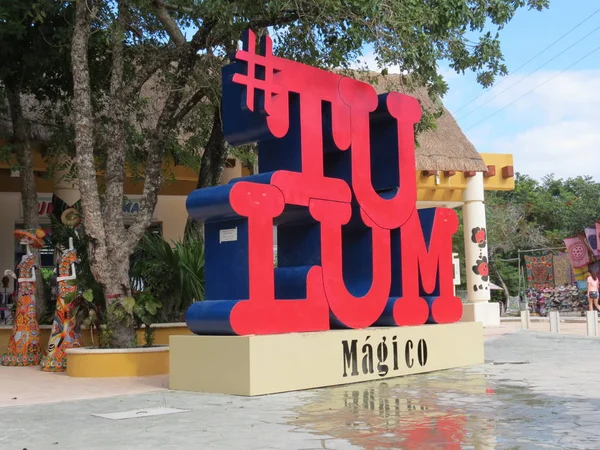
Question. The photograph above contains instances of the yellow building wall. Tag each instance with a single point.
(170, 211)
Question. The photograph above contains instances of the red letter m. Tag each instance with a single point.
(426, 256)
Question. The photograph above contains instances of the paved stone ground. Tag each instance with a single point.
(536, 390)
(29, 385)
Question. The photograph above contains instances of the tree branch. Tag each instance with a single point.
(118, 36)
(163, 56)
(156, 150)
(189, 105)
(170, 25)
(200, 39)
(182, 9)
(284, 18)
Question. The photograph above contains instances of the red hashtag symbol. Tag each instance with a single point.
(257, 65)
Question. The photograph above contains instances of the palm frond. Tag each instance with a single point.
(172, 272)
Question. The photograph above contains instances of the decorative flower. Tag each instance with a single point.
(479, 236)
(481, 268)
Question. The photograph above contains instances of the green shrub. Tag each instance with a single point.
(173, 274)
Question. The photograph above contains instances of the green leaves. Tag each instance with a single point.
(172, 273)
(560, 207)
(71, 296)
(128, 304)
(37, 13)
(34, 43)
(537, 214)
(88, 295)
(152, 306)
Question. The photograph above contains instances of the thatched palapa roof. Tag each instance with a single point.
(446, 147)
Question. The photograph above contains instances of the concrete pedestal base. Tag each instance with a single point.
(488, 314)
(257, 365)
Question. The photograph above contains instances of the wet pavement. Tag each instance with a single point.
(536, 390)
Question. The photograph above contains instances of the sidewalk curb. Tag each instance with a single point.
(544, 319)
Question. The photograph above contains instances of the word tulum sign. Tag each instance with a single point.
(338, 180)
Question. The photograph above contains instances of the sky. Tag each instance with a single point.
(546, 112)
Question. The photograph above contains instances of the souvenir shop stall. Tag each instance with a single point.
(557, 281)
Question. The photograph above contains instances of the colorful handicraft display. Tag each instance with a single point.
(64, 333)
(24, 344)
(578, 251)
(580, 274)
(563, 274)
(592, 240)
(539, 271)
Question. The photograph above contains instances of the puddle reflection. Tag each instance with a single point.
(451, 410)
(409, 413)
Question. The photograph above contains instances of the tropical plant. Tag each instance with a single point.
(172, 273)
(145, 312)
(134, 312)
(87, 314)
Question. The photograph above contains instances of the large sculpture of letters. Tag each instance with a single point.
(338, 179)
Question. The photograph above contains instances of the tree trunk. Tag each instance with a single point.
(109, 268)
(119, 317)
(215, 154)
(211, 167)
(28, 189)
(502, 284)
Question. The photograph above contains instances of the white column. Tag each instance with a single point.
(478, 308)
